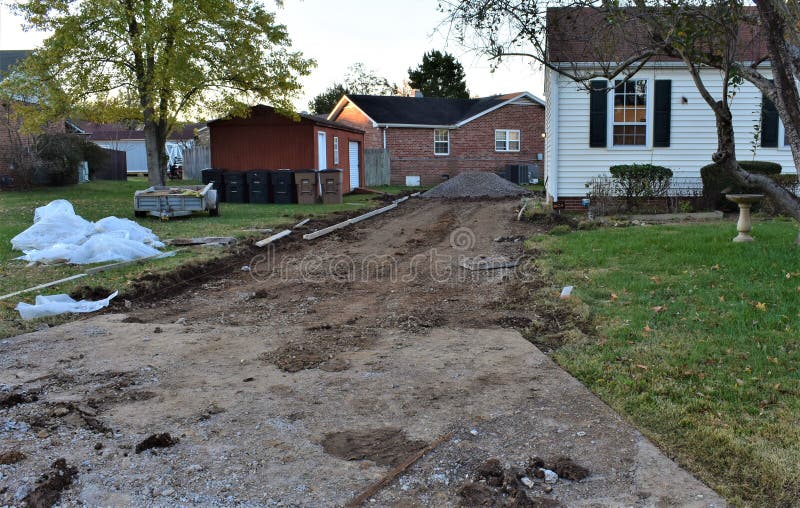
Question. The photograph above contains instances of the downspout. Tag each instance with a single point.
(384, 138)
(551, 138)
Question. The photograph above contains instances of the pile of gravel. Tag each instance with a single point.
(475, 185)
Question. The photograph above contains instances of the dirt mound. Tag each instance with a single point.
(387, 446)
(473, 185)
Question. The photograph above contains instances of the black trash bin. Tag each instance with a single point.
(284, 190)
(216, 177)
(235, 187)
(258, 186)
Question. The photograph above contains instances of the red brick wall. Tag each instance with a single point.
(373, 138)
(10, 138)
(472, 146)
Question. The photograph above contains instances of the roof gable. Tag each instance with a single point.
(386, 110)
(9, 58)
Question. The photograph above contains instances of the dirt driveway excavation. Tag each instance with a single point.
(309, 378)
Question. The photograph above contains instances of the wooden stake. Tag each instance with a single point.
(394, 473)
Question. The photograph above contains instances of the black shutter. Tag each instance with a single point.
(769, 124)
(662, 112)
(598, 112)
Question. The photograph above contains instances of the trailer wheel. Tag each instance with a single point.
(214, 212)
(139, 213)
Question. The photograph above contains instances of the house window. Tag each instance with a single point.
(441, 142)
(336, 150)
(630, 112)
(506, 140)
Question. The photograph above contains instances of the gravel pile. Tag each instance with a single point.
(475, 185)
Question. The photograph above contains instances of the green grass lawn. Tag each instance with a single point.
(698, 342)
(100, 199)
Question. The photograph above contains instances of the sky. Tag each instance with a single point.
(387, 36)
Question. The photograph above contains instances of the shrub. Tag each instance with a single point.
(717, 183)
(638, 182)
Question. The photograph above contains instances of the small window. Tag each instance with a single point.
(336, 150)
(441, 142)
(506, 140)
(630, 112)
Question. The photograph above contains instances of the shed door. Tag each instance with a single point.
(322, 151)
(354, 165)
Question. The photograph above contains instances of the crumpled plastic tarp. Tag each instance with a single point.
(59, 304)
(58, 235)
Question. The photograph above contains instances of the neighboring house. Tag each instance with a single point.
(432, 139)
(10, 140)
(267, 139)
(657, 116)
(116, 136)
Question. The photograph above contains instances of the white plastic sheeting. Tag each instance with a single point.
(58, 235)
(59, 304)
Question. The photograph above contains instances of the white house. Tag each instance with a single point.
(656, 117)
(131, 141)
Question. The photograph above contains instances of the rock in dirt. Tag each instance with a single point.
(566, 468)
(475, 185)
(11, 457)
(387, 446)
(163, 440)
(49, 492)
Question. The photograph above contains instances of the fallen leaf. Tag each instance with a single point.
(761, 306)
(658, 308)
(656, 279)
(715, 267)
(647, 329)
(721, 298)
(777, 386)
(643, 367)
(739, 382)
(614, 297)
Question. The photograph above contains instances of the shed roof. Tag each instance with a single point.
(263, 110)
(427, 111)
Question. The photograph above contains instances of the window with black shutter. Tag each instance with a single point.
(662, 112)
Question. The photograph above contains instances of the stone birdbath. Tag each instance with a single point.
(745, 201)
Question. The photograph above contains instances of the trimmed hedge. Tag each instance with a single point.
(717, 183)
(637, 182)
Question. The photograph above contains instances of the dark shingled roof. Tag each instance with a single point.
(386, 109)
(9, 58)
(119, 131)
(583, 34)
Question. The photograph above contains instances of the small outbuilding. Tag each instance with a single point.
(269, 140)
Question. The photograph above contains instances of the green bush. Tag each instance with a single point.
(561, 229)
(637, 182)
(717, 183)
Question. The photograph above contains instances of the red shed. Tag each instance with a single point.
(269, 140)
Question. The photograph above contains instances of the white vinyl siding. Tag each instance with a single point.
(692, 141)
(441, 142)
(506, 140)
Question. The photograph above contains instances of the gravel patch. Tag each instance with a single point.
(474, 185)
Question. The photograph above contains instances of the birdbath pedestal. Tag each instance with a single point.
(745, 201)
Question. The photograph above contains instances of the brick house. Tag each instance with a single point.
(431, 139)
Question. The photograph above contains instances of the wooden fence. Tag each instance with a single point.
(376, 166)
(196, 159)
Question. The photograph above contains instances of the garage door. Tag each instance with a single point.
(354, 165)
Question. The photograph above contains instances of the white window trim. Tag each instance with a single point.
(648, 135)
(434, 143)
(508, 141)
(336, 150)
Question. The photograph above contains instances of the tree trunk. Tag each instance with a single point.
(787, 99)
(726, 158)
(155, 138)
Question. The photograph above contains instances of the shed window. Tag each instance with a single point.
(630, 112)
(506, 140)
(336, 150)
(441, 142)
